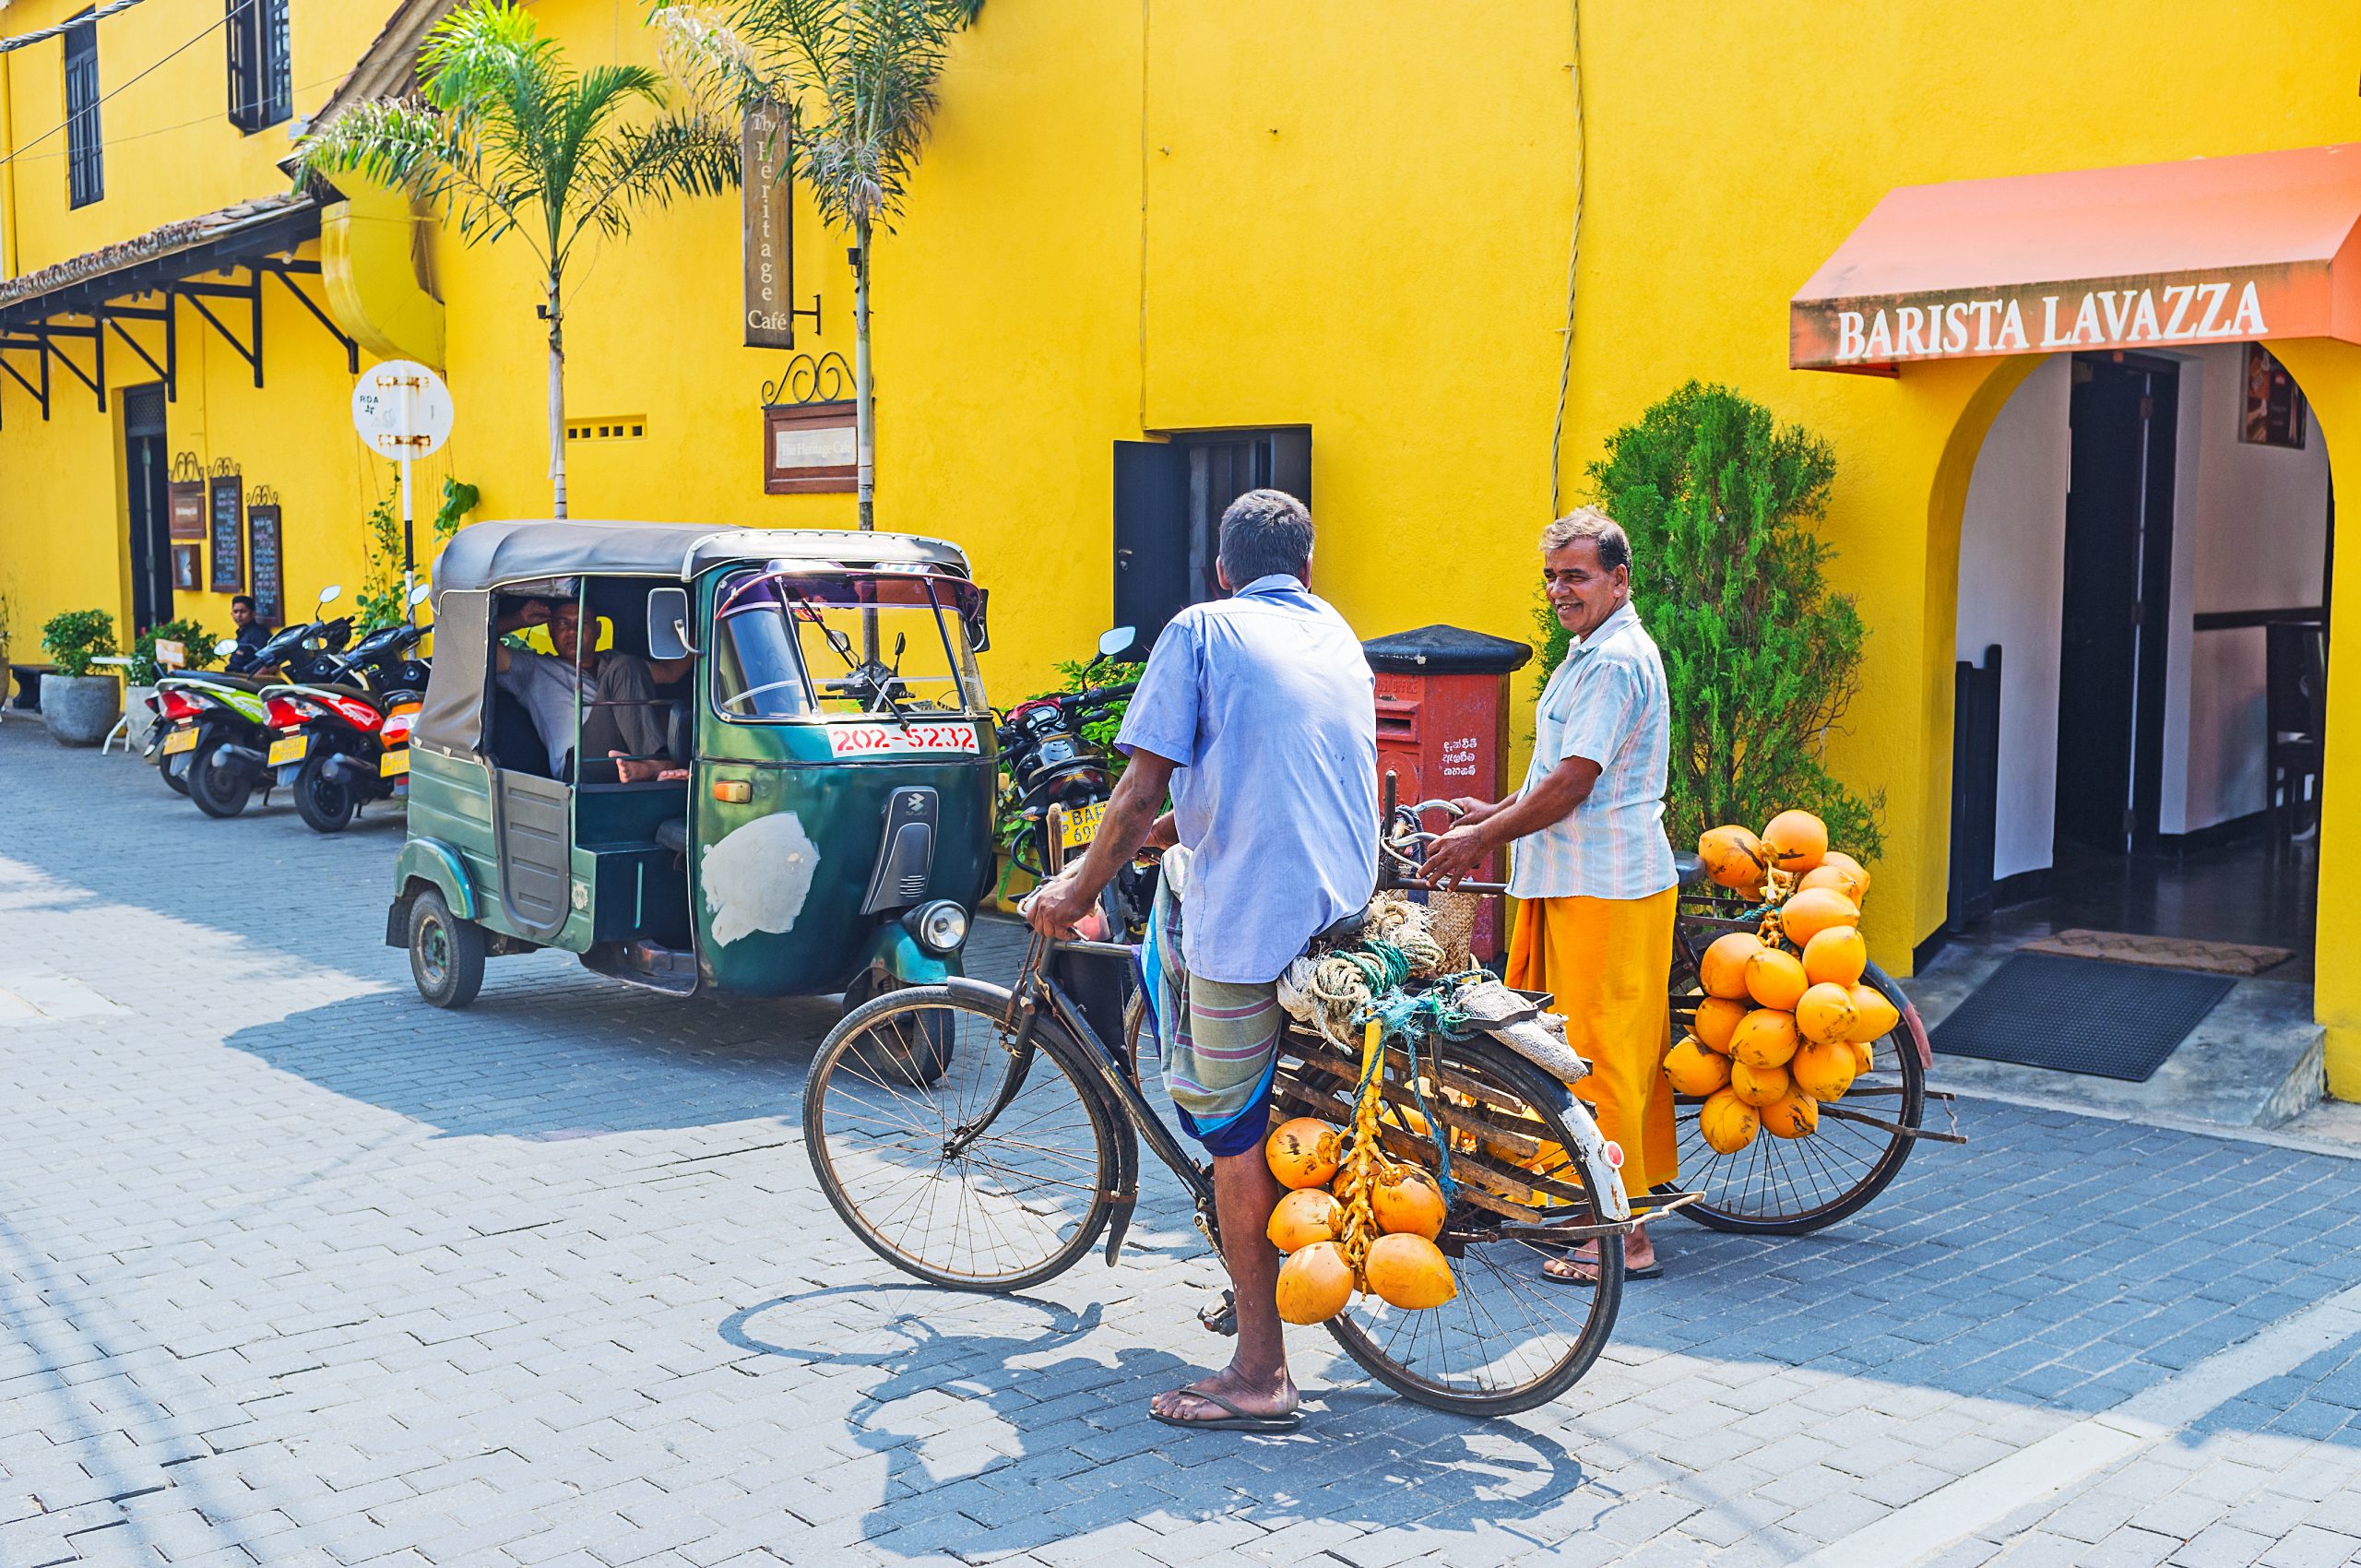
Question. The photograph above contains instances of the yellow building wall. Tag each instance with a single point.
(1355, 214)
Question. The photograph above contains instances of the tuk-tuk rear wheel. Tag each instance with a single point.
(445, 952)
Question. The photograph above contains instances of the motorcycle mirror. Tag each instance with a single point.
(419, 595)
(1118, 641)
(226, 646)
(330, 594)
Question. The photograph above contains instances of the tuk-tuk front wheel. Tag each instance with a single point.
(445, 952)
(915, 1054)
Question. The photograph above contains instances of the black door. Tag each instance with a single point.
(1169, 496)
(146, 507)
(2118, 577)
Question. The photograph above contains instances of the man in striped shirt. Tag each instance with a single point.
(1591, 865)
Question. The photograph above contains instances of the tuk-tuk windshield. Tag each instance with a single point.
(843, 645)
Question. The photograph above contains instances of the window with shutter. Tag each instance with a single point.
(85, 171)
(261, 73)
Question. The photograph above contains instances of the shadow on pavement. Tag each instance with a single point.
(1001, 1434)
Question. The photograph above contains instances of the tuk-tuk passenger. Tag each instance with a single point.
(623, 718)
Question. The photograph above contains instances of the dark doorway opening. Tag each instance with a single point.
(1169, 496)
(147, 471)
(2117, 587)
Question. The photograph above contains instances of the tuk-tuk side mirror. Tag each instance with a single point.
(668, 623)
(979, 632)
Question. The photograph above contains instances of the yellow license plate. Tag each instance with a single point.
(1081, 827)
(289, 749)
(180, 740)
(394, 763)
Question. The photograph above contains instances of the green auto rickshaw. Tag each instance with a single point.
(756, 761)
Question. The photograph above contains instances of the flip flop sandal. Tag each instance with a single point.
(1589, 1281)
(1237, 1421)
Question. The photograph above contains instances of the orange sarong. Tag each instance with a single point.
(1607, 961)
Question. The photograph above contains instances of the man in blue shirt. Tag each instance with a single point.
(1259, 713)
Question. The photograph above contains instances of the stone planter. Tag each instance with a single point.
(80, 708)
(143, 717)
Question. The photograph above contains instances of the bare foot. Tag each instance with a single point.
(1250, 1397)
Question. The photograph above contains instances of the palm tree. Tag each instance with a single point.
(505, 137)
(856, 79)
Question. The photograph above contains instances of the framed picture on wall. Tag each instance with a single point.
(185, 568)
(2272, 411)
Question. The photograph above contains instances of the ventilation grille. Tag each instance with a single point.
(622, 427)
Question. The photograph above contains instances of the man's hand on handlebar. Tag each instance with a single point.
(1060, 905)
(1455, 854)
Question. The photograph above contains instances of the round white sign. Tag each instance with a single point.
(402, 409)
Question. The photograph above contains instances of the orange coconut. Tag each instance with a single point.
(1717, 1016)
(1304, 1217)
(1775, 978)
(1796, 1116)
(1734, 857)
(1796, 840)
(1409, 1272)
(1408, 1201)
(1759, 1086)
(1857, 873)
(1303, 1153)
(1722, 972)
(1315, 1284)
(1836, 956)
(1808, 913)
(1764, 1038)
(1694, 1070)
(1877, 1016)
(1825, 1069)
(1727, 1123)
(1826, 1014)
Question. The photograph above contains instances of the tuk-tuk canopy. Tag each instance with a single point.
(489, 555)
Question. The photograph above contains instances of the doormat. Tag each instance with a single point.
(2079, 1015)
(2161, 952)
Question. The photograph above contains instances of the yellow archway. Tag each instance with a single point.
(1963, 398)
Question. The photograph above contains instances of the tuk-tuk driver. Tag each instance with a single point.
(626, 723)
(1258, 712)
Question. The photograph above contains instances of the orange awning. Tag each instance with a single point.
(2209, 249)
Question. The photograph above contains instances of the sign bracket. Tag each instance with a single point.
(281, 271)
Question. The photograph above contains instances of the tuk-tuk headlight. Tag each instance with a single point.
(940, 926)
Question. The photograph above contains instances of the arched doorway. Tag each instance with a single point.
(2145, 576)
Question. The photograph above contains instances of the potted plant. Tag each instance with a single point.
(80, 707)
(139, 680)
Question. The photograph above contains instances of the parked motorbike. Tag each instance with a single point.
(219, 723)
(345, 740)
(1050, 763)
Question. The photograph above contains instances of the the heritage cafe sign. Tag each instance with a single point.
(2038, 318)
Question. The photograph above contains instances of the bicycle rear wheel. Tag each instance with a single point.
(1512, 1339)
(993, 1176)
(1788, 1187)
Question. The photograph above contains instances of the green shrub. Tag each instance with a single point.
(195, 639)
(379, 603)
(73, 637)
(1761, 659)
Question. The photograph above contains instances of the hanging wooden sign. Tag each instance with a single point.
(766, 149)
(227, 522)
(261, 555)
(186, 497)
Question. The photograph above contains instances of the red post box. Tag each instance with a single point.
(1442, 727)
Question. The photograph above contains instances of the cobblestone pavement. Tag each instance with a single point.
(295, 1269)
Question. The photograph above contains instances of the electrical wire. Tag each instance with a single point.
(178, 49)
(25, 41)
(1574, 257)
(167, 130)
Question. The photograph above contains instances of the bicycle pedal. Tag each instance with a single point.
(1222, 1318)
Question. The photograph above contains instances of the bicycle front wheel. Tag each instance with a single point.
(994, 1175)
(1512, 1339)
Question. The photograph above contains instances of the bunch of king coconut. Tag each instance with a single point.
(1785, 1021)
(1354, 1219)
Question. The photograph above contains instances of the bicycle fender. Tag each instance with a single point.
(1126, 1196)
(1590, 1147)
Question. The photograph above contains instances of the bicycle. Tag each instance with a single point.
(1006, 1170)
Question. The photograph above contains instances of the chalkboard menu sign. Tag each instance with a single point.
(187, 501)
(262, 551)
(228, 526)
